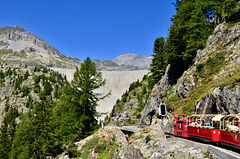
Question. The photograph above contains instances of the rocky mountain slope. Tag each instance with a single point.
(20, 88)
(125, 62)
(133, 60)
(211, 85)
(18, 47)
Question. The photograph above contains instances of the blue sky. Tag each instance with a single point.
(99, 29)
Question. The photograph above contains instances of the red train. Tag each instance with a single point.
(222, 129)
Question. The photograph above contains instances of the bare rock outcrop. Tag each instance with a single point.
(186, 82)
(221, 101)
(152, 143)
(167, 82)
(224, 39)
(18, 39)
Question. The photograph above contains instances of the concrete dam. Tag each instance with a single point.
(116, 81)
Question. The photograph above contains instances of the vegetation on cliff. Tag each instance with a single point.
(193, 23)
(190, 29)
(55, 114)
(133, 100)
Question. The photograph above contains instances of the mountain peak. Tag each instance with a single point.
(30, 49)
(7, 29)
(130, 59)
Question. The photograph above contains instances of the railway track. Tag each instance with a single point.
(218, 150)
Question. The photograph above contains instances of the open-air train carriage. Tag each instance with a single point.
(223, 129)
(230, 130)
(204, 127)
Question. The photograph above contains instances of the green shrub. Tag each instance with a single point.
(47, 88)
(124, 99)
(89, 145)
(100, 148)
(52, 78)
(6, 108)
(206, 154)
(36, 79)
(134, 93)
(147, 138)
(131, 122)
(29, 103)
(222, 86)
(18, 82)
(2, 75)
(72, 150)
(9, 72)
(25, 91)
(13, 114)
(199, 66)
(36, 88)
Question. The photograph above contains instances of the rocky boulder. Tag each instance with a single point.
(221, 101)
(152, 143)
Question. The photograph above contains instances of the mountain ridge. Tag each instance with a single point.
(18, 48)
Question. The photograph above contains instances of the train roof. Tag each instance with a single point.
(217, 117)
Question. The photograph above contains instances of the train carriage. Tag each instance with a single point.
(180, 125)
(230, 130)
(223, 129)
(201, 127)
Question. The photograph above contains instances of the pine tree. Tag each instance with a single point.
(189, 31)
(33, 138)
(5, 144)
(7, 132)
(86, 80)
(74, 114)
(158, 64)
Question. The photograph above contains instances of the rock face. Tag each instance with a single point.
(159, 91)
(186, 82)
(224, 39)
(17, 38)
(220, 101)
(18, 47)
(133, 60)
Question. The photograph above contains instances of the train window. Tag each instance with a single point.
(216, 124)
(180, 117)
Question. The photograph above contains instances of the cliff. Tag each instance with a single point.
(211, 85)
